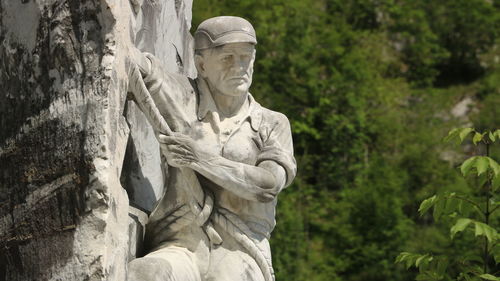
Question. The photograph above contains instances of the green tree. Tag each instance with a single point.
(475, 210)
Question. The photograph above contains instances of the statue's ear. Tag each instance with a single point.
(200, 65)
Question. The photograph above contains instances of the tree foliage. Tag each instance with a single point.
(464, 212)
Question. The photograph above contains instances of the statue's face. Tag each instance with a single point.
(229, 68)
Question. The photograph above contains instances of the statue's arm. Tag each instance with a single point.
(274, 170)
(168, 90)
(257, 183)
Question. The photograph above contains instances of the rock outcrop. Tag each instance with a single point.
(75, 153)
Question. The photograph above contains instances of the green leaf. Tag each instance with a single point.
(467, 165)
(459, 226)
(482, 180)
(423, 260)
(464, 132)
(492, 136)
(452, 134)
(438, 208)
(466, 208)
(452, 204)
(495, 183)
(477, 138)
(489, 277)
(485, 230)
(460, 132)
(419, 260)
(402, 257)
(427, 204)
(482, 164)
(410, 260)
(495, 167)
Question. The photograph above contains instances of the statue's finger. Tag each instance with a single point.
(169, 139)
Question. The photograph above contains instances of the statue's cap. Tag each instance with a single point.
(218, 31)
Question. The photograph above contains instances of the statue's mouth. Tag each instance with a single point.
(239, 78)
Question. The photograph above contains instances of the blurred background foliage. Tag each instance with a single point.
(370, 87)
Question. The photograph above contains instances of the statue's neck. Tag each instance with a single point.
(229, 106)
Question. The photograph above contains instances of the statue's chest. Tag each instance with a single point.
(235, 140)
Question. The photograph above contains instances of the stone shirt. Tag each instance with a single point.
(259, 134)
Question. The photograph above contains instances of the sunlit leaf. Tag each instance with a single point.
(492, 136)
(485, 230)
(489, 277)
(410, 261)
(495, 167)
(481, 164)
(402, 257)
(419, 260)
(464, 132)
(452, 134)
(459, 226)
(467, 165)
(427, 204)
(477, 138)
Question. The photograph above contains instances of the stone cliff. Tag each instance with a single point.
(79, 165)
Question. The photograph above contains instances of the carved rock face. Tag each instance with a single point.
(65, 124)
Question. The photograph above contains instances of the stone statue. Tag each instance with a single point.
(227, 159)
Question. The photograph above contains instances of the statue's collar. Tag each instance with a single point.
(207, 103)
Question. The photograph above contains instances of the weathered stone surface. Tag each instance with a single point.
(64, 214)
(137, 221)
(160, 28)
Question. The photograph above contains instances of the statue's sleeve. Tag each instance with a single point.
(172, 93)
(278, 146)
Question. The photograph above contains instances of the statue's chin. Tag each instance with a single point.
(235, 91)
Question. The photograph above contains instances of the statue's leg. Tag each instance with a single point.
(166, 264)
(229, 262)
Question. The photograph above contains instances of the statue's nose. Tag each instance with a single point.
(240, 65)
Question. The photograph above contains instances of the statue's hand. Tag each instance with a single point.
(181, 150)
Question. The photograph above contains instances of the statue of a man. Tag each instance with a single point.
(228, 158)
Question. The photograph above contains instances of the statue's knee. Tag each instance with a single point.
(149, 269)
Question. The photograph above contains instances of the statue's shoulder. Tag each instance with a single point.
(273, 120)
(272, 116)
